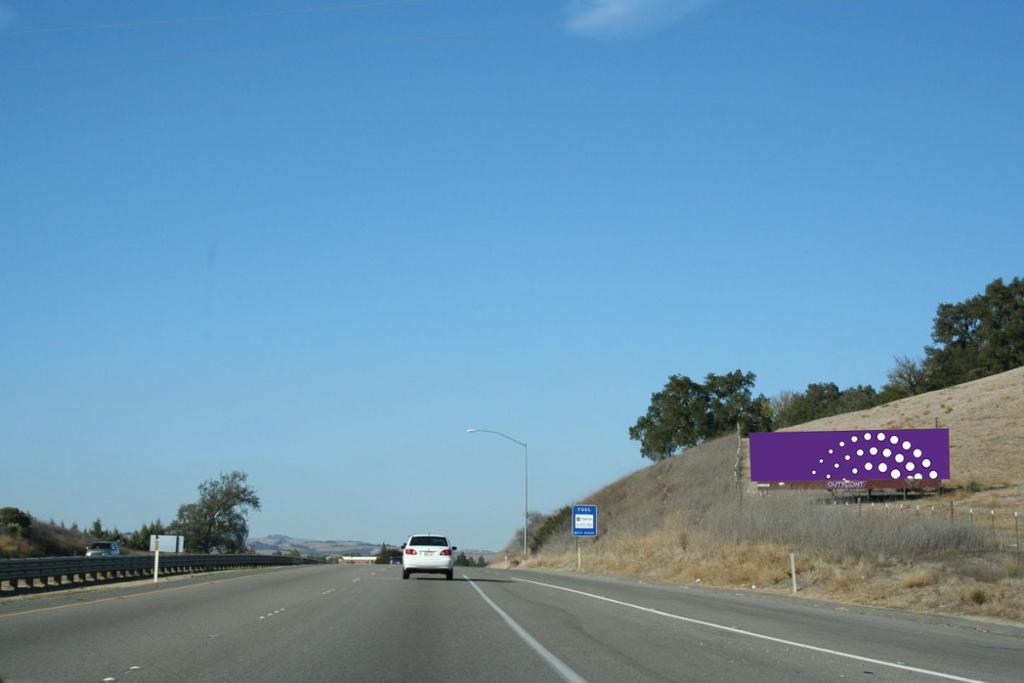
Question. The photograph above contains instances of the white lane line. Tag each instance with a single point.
(354, 580)
(773, 639)
(560, 667)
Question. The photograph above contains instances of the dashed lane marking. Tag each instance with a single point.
(270, 614)
(560, 667)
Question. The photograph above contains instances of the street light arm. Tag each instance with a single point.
(491, 431)
(526, 483)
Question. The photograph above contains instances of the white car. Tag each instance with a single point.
(428, 554)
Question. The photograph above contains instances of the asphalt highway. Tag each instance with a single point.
(362, 623)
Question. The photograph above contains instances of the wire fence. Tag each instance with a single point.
(1002, 527)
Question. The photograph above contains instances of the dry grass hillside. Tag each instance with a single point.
(985, 420)
(691, 519)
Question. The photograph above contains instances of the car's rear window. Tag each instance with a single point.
(100, 546)
(428, 540)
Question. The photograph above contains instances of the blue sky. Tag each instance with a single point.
(317, 241)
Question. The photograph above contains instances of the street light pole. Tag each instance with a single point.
(526, 482)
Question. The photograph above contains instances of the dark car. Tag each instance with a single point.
(102, 549)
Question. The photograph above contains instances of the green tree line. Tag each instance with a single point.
(216, 522)
(980, 336)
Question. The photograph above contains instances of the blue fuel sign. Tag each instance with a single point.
(584, 520)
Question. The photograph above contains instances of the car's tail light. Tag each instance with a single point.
(410, 551)
(446, 551)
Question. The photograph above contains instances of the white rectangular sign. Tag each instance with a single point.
(168, 544)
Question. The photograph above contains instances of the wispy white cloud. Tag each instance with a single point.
(622, 18)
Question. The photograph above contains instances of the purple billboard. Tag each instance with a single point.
(891, 455)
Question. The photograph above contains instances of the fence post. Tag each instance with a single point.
(951, 513)
(739, 450)
(971, 512)
(995, 539)
(792, 570)
(1016, 532)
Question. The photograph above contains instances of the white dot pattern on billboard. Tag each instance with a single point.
(875, 460)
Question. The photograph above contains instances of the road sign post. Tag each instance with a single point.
(172, 544)
(584, 523)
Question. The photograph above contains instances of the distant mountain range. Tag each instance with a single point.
(268, 545)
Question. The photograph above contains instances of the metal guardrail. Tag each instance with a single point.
(70, 572)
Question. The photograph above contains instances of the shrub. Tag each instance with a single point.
(15, 522)
(919, 579)
(558, 521)
(977, 595)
